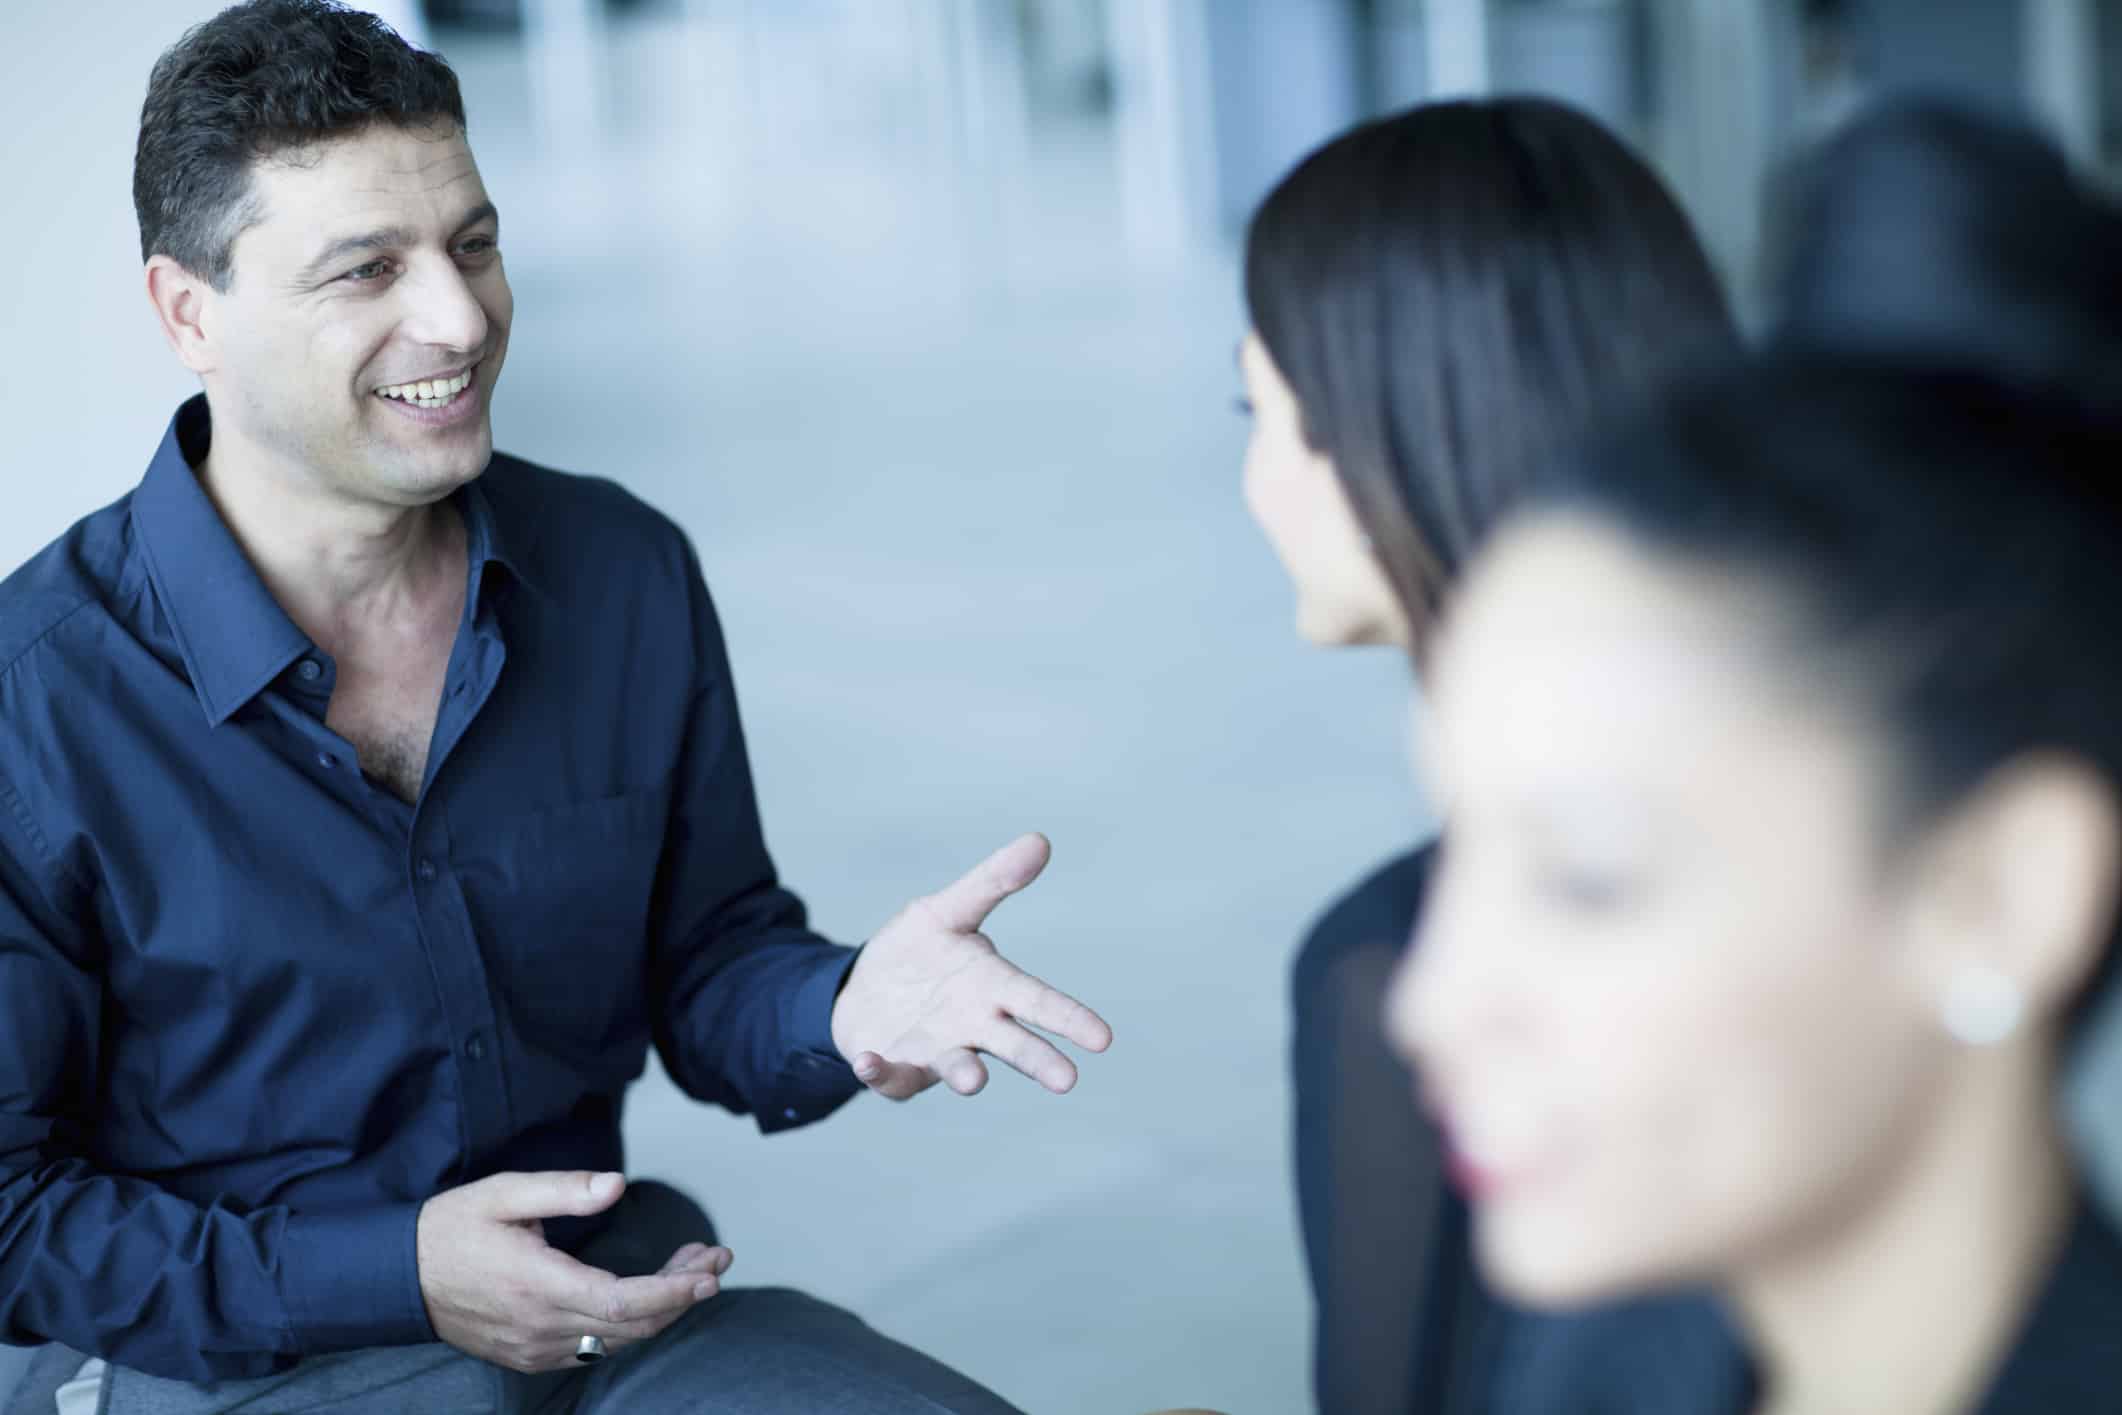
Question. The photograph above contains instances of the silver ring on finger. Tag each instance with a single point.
(590, 1350)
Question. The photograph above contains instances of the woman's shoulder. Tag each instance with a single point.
(1387, 899)
(1378, 911)
(2069, 1354)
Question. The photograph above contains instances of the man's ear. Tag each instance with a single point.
(182, 302)
(2018, 885)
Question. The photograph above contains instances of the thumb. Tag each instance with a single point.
(966, 904)
(520, 1198)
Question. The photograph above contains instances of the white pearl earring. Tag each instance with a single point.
(1981, 1006)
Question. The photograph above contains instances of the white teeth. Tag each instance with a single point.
(428, 393)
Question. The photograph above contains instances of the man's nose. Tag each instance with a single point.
(442, 310)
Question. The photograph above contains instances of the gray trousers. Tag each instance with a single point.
(748, 1351)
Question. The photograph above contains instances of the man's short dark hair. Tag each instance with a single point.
(258, 79)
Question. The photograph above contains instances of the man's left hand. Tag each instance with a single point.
(930, 993)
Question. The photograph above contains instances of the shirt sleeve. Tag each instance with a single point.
(116, 1266)
(744, 990)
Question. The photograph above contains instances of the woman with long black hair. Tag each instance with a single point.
(1439, 301)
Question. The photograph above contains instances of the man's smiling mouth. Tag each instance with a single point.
(430, 392)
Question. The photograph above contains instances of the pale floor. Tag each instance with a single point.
(965, 481)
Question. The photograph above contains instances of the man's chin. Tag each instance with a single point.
(428, 479)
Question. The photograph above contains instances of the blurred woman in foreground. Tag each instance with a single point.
(1439, 301)
(1782, 760)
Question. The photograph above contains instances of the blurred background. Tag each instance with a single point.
(920, 316)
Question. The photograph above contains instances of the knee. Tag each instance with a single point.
(782, 1308)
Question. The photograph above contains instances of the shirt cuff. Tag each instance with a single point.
(810, 1011)
(816, 1080)
(353, 1280)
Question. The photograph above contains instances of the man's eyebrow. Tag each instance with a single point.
(385, 238)
(382, 239)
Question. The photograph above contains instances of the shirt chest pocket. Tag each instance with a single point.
(563, 900)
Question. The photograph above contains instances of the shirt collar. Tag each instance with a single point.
(495, 533)
(234, 637)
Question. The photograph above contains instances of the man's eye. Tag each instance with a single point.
(477, 245)
(371, 270)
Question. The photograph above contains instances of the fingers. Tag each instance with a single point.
(700, 1258)
(1052, 1010)
(1036, 1057)
(892, 1079)
(617, 1334)
(962, 1071)
(556, 1349)
(686, 1259)
(956, 1067)
(623, 1306)
(966, 904)
(523, 1198)
(706, 1265)
(586, 1301)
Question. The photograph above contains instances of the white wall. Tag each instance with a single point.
(87, 383)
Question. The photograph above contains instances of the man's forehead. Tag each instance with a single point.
(383, 172)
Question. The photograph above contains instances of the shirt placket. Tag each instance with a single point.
(445, 925)
(443, 913)
(419, 835)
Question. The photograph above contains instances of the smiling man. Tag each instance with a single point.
(370, 803)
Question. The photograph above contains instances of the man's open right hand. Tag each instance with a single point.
(496, 1290)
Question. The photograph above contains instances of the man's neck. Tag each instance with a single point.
(1913, 1305)
(335, 563)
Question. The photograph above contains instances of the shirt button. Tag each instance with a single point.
(327, 761)
(310, 670)
(789, 1114)
(426, 870)
(476, 1048)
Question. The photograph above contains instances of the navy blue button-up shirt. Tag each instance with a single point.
(255, 1009)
